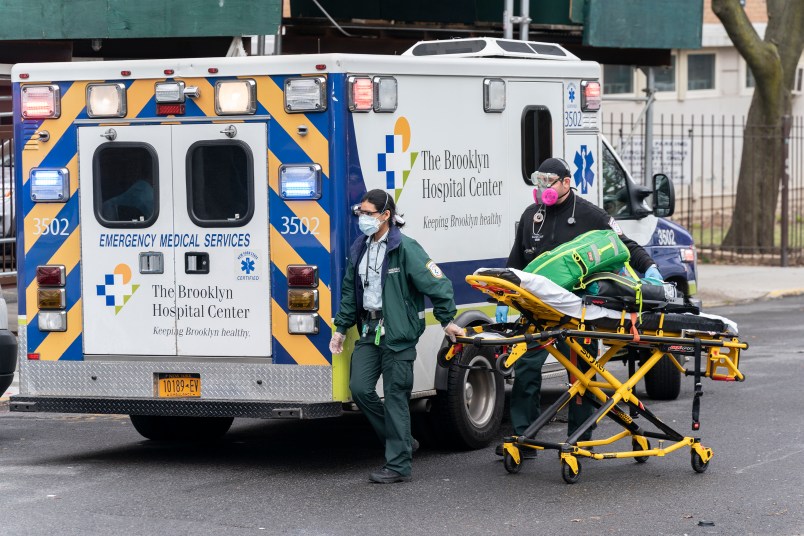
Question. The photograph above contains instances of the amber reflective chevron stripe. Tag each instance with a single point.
(314, 144)
(301, 348)
(56, 343)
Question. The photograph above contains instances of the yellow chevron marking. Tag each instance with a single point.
(47, 211)
(56, 343)
(303, 209)
(282, 254)
(72, 103)
(138, 95)
(68, 254)
(206, 100)
(300, 347)
(314, 144)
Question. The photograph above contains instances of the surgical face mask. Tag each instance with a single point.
(545, 196)
(368, 225)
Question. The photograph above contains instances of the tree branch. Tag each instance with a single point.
(759, 55)
(785, 21)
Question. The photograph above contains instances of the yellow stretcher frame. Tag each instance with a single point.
(543, 324)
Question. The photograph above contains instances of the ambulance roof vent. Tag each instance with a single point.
(487, 47)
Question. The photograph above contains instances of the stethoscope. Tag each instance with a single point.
(539, 216)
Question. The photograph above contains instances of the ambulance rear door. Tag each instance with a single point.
(221, 231)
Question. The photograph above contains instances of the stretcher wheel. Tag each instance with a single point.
(698, 465)
(636, 446)
(567, 474)
(501, 368)
(510, 464)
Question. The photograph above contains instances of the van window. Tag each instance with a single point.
(126, 184)
(220, 183)
(537, 139)
(616, 200)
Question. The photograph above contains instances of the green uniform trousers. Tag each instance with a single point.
(526, 399)
(391, 419)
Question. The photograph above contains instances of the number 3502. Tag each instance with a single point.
(51, 226)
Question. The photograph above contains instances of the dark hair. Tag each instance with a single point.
(383, 201)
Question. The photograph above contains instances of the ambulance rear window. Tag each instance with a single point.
(220, 183)
(125, 184)
(537, 139)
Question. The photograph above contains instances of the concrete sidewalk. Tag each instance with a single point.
(717, 285)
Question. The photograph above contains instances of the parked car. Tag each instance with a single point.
(7, 188)
(8, 350)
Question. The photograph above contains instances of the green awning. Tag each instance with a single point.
(116, 19)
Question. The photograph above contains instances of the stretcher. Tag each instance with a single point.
(550, 314)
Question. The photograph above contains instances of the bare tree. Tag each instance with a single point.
(773, 62)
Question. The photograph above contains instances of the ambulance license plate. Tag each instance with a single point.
(173, 385)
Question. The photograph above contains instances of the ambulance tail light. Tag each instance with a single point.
(51, 298)
(302, 299)
(33, 357)
(687, 254)
(385, 94)
(106, 100)
(361, 94)
(50, 275)
(302, 275)
(52, 320)
(306, 94)
(590, 96)
(169, 109)
(303, 324)
(235, 97)
(41, 102)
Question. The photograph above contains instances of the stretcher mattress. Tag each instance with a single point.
(572, 305)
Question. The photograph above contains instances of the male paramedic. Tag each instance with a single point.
(559, 216)
(387, 277)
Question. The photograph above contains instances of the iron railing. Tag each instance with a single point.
(702, 155)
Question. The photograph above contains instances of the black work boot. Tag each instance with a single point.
(387, 476)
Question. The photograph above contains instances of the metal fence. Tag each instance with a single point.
(8, 240)
(702, 155)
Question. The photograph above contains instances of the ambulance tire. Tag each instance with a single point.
(663, 381)
(469, 412)
(169, 428)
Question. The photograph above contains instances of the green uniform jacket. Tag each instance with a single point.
(408, 275)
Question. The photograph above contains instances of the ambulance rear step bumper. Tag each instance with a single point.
(177, 408)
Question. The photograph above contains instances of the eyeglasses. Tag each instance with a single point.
(359, 212)
(545, 180)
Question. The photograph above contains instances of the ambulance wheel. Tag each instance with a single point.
(499, 365)
(568, 475)
(510, 464)
(663, 381)
(636, 446)
(169, 428)
(698, 465)
(469, 412)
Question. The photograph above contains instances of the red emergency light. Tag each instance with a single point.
(302, 276)
(169, 109)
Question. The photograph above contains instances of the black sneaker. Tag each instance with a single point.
(499, 450)
(387, 476)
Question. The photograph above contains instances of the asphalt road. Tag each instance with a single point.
(87, 474)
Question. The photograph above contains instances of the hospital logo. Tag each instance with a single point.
(117, 288)
(247, 266)
(584, 176)
(397, 159)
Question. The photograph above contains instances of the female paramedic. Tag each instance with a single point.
(558, 216)
(387, 277)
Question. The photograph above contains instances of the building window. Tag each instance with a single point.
(750, 81)
(700, 71)
(664, 78)
(618, 79)
(537, 139)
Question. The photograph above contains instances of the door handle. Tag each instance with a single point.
(230, 131)
(196, 263)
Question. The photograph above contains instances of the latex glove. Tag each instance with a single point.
(336, 343)
(501, 314)
(452, 331)
(654, 273)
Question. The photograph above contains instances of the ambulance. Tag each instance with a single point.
(183, 225)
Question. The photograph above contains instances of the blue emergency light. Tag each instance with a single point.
(300, 181)
(50, 185)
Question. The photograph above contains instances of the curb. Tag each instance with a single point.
(772, 295)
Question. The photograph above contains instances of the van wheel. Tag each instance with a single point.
(468, 414)
(169, 428)
(663, 381)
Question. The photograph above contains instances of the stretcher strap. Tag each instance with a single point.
(634, 330)
(696, 401)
